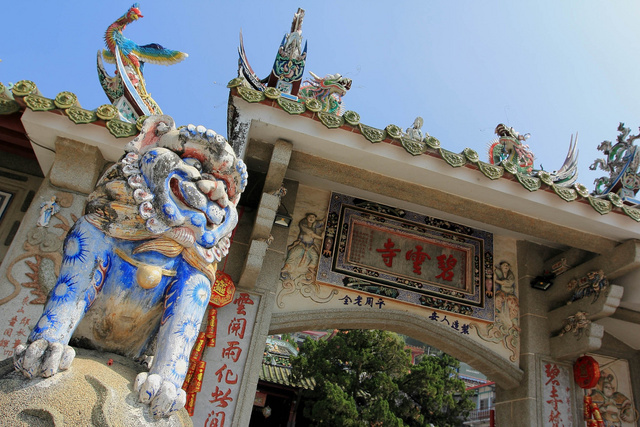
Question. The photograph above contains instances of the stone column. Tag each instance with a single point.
(518, 406)
(255, 258)
(31, 265)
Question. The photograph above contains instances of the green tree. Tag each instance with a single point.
(365, 378)
(433, 393)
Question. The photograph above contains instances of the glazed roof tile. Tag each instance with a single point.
(25, 94)
(282, 375)
(430, 146)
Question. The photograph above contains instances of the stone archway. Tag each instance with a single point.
(505, 374)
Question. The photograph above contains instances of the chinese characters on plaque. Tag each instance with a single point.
(403, 255)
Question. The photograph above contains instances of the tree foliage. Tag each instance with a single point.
(365, 378)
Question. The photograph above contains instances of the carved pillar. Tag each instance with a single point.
(32, 263)
(254, 263)
(519, 406)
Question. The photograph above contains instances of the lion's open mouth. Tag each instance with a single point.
(175, 189)
(212, 215)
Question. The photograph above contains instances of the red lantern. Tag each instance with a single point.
(586, 372)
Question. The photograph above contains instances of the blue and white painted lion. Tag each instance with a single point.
(138, 267)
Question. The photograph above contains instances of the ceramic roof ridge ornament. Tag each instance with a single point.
(510, 152)
(327, 90)
(287, 71)
(415, 131)
(127, 88)
(288, 67)
(621, 162)
(139, 268)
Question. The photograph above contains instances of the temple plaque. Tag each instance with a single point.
(407, 256)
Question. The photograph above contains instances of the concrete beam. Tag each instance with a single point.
(264, 217)
(627, 315)
(449, 203)
(253, 264)
(570, 346)
(278, 166)
(604, 306)
(77, 166)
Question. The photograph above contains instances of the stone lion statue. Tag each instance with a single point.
(138, 267)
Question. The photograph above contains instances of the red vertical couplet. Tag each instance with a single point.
(222, 397)
(555, 417)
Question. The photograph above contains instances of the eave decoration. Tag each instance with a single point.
(25, 94)
(621, 162)
(567, 188)
(317, 94)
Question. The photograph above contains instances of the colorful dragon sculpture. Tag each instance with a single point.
(509, 150)
(127, 89)
(329, 90)
(622, 163)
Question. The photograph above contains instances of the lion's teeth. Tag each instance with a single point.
(141, 195)
(136, 181)
(217, 253)
(146, 210)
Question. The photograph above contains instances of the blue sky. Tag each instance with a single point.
(549, 68)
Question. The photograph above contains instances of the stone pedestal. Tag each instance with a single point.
(91, 392)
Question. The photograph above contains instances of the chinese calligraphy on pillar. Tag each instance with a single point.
(556, 395)
(16, 332)
(217, 401)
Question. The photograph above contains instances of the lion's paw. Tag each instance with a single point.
(162, 396)
(43, 358)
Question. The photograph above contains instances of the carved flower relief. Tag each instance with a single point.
(351, 117)
(121, 129)
(272, 93)
(8, 106)
(24, 88)
(79, 115)
(471, 155)
(510, 167)
(432, 141)
(394, 131)
(39, 103)
(615, 199)
(65, 100)
(235, 82)
(313, 105)
(545, 177)
(582, 190)
(107, 112)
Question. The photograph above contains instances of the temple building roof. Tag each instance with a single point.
(430, 146)
(25, 95)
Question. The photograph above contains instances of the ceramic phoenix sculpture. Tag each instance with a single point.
(127, 89)
(138, 267)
